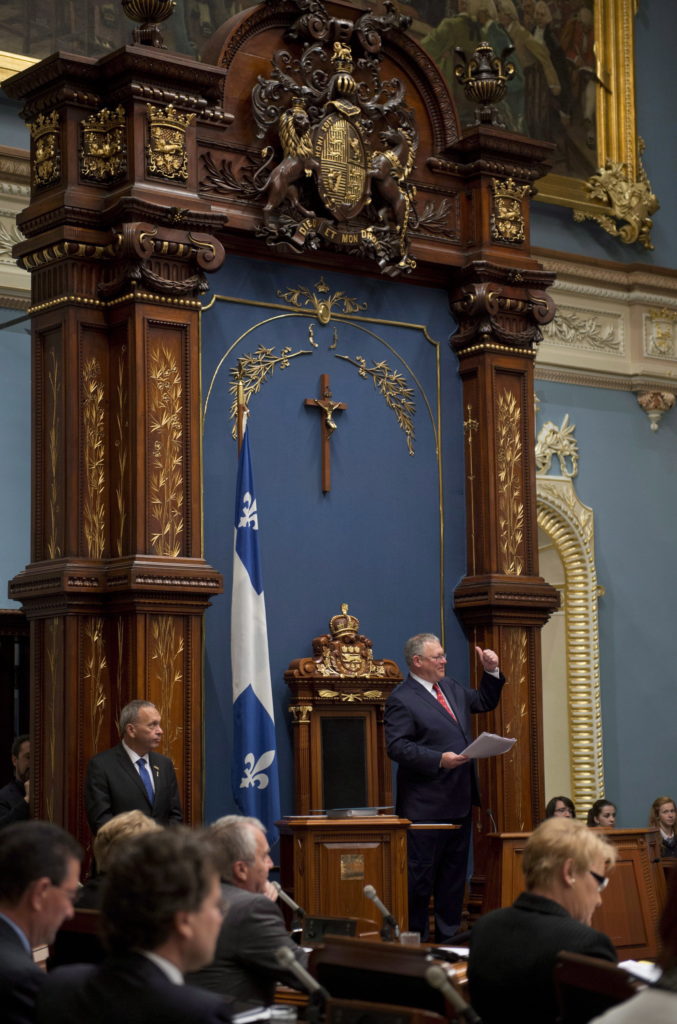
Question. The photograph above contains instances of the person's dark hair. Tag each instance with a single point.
(130, 713)
(18, 742)
(152, 877)
(667, 927)
(595, 809)
(552, 804)
(30, 850)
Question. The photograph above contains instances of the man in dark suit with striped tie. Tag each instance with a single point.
(427, 725)
(131, 776)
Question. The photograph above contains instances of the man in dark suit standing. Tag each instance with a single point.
(160, 916)
(132, 776)
(39, 876)
(427, 725)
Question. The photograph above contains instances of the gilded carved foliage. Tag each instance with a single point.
(166, 464)
(50, 689)
(510, 504)
(167, 652)
(120, 445)
(514, 658)
(393, 386)
(53, 438)
(95, 666)
(253, 370)
(94, 452)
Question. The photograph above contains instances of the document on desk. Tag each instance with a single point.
(488, 744)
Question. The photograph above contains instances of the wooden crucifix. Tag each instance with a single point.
(327, 406)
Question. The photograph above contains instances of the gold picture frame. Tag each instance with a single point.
(618, 145)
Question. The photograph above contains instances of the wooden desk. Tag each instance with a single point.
(326, 863)
(632, 902)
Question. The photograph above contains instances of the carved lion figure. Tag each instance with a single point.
(298, 161)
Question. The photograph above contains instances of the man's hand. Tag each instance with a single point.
(27, 790)
(450, 760)
(488, 659)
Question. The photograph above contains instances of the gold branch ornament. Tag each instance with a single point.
(393, 386)
(320, 301)
(630, 203)
(252, 371)
(510, 508)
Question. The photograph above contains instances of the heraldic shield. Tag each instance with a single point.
(342, 182)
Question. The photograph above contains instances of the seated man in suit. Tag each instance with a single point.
(427, 725)
(39, 874)
(14, 796)
(131, 776)
(161, 914)
(245, 966)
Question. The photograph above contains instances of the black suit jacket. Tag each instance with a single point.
(244, 965)
(418, 731)
(13, 806)
(113, 785)
(128, 988)
(512, 959)
(20, 978)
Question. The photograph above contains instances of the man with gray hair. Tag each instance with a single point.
(132, 776)
(245, 965)
(427, 726)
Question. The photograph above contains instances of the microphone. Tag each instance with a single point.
(286, 898)
(389, 921)
(437, 978)
(285, 958)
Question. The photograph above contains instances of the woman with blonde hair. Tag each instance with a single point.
(662, 816)
(513, 950)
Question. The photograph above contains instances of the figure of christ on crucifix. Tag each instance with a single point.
(327, 406)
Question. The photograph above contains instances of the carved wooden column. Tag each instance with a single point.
(118, 242)
(499, 299)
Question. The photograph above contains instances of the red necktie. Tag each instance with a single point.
(441, 699)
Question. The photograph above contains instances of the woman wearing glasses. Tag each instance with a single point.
(513, 951)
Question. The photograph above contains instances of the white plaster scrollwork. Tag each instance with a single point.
(572, 329)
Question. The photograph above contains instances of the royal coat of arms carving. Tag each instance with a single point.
(340, 143)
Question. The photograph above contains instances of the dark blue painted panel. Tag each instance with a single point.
(374, 539)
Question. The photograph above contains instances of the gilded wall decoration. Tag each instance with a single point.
(253, 370)
(507, 215)
(660, 333)
(120, 445)
(46, 157)
(95, 666)
(655, 405)
(322, 301)
(570, 526)
(340, 143)
(103, 155)
(573, 329)
(166, 461)
(630, 203)
(510, 505)
(53, 444)
(166, 155)
(470, 427)
(167, 652)
(94, 454)
(394, 388)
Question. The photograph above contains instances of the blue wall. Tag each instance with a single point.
(373, 540)
(15, 452)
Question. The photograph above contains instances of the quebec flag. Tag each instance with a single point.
(254, 772)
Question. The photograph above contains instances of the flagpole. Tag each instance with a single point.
(240, 414)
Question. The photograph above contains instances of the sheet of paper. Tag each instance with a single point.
(488, 744)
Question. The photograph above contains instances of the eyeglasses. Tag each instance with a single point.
(602, 880)
(435, 657)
